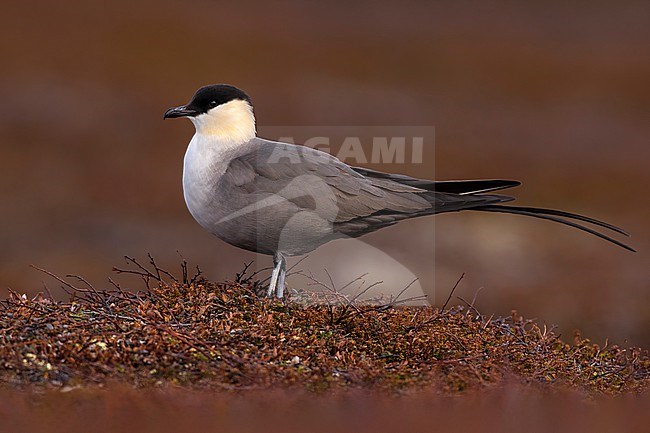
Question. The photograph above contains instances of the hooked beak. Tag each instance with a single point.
(182, 111)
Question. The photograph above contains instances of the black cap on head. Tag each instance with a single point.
(206, 98)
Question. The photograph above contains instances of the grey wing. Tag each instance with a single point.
(354, 201)
(354, 204)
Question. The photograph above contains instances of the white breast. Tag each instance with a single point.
(206, 160)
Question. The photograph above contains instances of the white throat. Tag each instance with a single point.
(231, 123)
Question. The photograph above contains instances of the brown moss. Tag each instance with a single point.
(224, 336)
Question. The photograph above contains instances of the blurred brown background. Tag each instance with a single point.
(557, 96)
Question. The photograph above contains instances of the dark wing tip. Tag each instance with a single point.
(465, 187)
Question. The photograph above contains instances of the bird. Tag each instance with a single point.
(283, 199)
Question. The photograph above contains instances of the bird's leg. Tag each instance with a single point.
(279, 290)
(276, 286)
(274, 279)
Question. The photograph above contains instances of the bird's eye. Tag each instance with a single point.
(212, 104)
